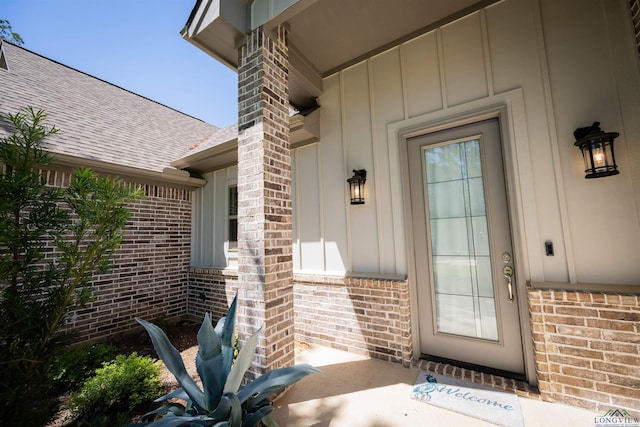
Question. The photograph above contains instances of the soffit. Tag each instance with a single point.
(325, 36)
(333, 34)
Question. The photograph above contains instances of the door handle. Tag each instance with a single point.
(508, 273)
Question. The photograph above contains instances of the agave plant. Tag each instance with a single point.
(223, 401)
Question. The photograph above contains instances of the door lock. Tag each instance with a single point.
(508, 273)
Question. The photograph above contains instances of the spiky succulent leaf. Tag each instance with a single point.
(243, 361)
(262, 414)
(227, 337)
(229, 410)
(268, 422)
(220, 326)
(173, 361)
(209, 364)
(178, 393)
(174, 408)
(175, 421)
(273, 381)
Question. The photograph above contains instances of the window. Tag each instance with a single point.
(233, 217)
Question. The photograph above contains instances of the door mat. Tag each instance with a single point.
(475, 400)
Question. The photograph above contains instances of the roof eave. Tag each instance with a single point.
(216, 27)
(303, 130)
(168, 176)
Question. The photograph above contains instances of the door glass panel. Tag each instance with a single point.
(460, 261)
(447, 199)
(443, 164)
(452, 275)
(449, 236)
(476, 196)
(485, 282)
(456, 314)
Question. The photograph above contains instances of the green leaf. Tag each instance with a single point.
(178, 393)
(209, 364)
(243, 361)
(269, 422)
(227, 336)
(273, 381)
(236, 412)
(252, 419)
(173, 361)
(173, 421)
(174, 408)
(229, 409)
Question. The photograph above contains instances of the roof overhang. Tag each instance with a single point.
(303, 130)
(325, 36)
(169, 176)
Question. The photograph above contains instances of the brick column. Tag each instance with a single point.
(265, 266)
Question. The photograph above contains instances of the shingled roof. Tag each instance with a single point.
(97, 120)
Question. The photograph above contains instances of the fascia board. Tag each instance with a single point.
(179, 178)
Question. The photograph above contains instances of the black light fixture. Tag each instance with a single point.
(356, 186)
(597, 150)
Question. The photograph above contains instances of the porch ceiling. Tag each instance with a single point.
(325, 36)
(333, 34)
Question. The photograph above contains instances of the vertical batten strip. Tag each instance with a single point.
(295, 201)
(443, 80)
(555, 151)
(321, 206)
(403, 81)
(345, 168)
(486, 51)
(376, 165)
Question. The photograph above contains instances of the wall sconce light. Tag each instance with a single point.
(597, 150)
(356, 186)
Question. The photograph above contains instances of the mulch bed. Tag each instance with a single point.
(182, 335)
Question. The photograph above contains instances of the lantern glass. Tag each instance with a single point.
(599, 159)
(597, 151)
(356, 186)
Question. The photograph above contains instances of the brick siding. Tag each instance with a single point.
(360, 315)
(264, 198)
(148, 275)
(587, 348)
(211, 290)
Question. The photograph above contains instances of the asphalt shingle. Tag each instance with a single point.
(97, 120)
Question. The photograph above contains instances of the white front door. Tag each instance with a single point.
(467, 310)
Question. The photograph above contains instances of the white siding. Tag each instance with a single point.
(574, 61)
(463, 61)
(551, 51)
(210, 232)
(333, 175)
(308, 214)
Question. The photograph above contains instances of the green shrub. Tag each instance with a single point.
(80, 225)
(117, 388)
(72, 368)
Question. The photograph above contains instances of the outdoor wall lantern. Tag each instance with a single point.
(597, 150)
(356, 186)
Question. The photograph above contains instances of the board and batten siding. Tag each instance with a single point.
(209, 241)
(574, 62)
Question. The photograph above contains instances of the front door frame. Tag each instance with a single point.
(508, 108)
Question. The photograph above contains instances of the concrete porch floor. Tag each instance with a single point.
(356, 391)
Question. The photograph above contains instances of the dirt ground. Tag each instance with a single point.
(182, 335)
